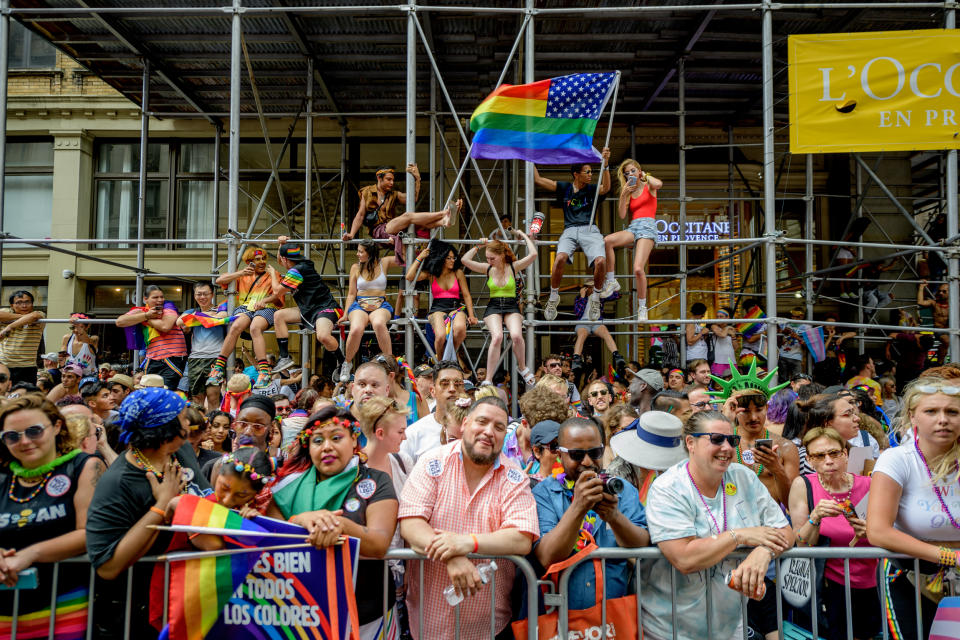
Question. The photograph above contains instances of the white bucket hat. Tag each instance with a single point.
(652, 441)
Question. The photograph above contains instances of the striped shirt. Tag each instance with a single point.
(252, 289)
(166, 345)
(21, 346)
(437, 491)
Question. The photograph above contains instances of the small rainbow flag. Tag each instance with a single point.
(200, 319)
(747, 329)
(946, 624)
(551, 121)
(200, 587)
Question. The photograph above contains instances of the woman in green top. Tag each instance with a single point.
(326, 487)
(501, 268)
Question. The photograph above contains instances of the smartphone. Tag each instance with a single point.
(763, 443)
(27, 580)
(632, 181)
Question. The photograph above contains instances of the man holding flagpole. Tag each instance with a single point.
(577, 200)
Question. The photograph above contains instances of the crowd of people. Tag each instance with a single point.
(701, 461)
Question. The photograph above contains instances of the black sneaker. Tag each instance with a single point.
(577, 363)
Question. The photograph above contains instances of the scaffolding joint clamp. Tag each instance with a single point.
(777, 237)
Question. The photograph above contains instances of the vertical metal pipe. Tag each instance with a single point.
(769, 184)
(4, 63)
(233, 171)
(953, 263)
(633, 141)
(731, 213)
(861, 344)
(306, 339)
(808, 248)
(682, 170)
(215, 250)
(433, 143)
(411, 155)
(343, 192)
(528, 189)
(142, 187)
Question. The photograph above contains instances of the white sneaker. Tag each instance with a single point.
(550, 311)
(283, 364)
(609, 288)
(641, 313)
(345, 371)
(593, 307)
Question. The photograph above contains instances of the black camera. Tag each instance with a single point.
(611, 484)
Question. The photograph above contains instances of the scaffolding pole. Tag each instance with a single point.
(808, 249)
(214, 250)
(528, 186)
(769, 186)
(953, 227)
(142, 187)
(306, 342)
(233, 170)
(4, 64)
(682, 171)
(411, 156)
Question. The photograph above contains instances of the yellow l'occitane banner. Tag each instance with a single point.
(875, 91)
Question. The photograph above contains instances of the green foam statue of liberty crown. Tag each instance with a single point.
(748, 380)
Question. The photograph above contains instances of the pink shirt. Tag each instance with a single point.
(436, 491)
(863, 573)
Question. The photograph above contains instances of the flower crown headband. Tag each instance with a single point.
(244, 468)
(352, 425)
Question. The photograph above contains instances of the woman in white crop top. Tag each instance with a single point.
(914, 505)
(80, 346)
(366, 300)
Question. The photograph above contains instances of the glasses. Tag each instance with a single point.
(933, 388)
(30, 433)
(596, 394)
(833, 455)
(701, 404)
(450, 383)
(253, 427)
(577, 455)
(553, 365)
(718, 438)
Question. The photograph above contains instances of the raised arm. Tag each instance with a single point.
(475, 265)
(138, 316)
(25, 319)
(528, 259)
(922, 299)
(605, 174)
(227, 278)
(413, 170)
(653, 184)
(411, 274)
(544, 183)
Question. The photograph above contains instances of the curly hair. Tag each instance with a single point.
(36, 402)
(611, 420)
(540, 403)
(437, 257)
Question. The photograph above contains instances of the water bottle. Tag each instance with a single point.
(486, 574)
(537, 223)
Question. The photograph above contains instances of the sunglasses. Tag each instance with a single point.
(577, 455)
(833, 455)
(933, 388)
(718, 438)
(3, 377)
(255, 427)
(390, 407)
(701, 404)
(597, 394)
(30, 433)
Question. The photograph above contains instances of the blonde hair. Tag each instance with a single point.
(457, 410)
(621, 171)
(490, 391)
(549, 380)
(825, 432)
(945, 464)
(371, 412)
(79, 426)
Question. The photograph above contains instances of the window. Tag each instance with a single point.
(28, 188)
(27, 50)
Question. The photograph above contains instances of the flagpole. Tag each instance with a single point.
(606, 144)
(190, 555)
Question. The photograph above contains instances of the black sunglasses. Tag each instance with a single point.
(577, 455)
(718, 438)
(31, 433)
(3, 378)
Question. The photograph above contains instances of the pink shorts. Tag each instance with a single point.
(719, 370)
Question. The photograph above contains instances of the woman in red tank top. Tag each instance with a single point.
(638, 194)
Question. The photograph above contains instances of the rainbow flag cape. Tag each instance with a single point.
(747, 329)
(199, 588)
(551, 121)
(813, 338)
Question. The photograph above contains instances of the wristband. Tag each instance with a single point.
(160, 512)
(476, 543)
(810, 520)
(736, 540)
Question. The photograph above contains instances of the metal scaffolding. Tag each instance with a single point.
(769, 238)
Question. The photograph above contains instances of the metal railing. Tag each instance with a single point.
(555, 599)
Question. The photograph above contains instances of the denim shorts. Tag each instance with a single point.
(643, 228)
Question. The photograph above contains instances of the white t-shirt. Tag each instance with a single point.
(399, 479)
(674, 510)
(857, 441)
(422, 435)
(919, 513)
(699, 348)
(723, 350)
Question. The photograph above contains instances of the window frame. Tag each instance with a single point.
(29, 37)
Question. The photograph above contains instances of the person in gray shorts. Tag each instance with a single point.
(577, 200)
(205, 347)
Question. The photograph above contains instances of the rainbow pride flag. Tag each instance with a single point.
(551, 121)
(201, 319)
(70, 614)
(747, 329)
(200, 587)
(139, 335)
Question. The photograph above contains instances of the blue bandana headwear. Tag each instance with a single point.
(146, 409)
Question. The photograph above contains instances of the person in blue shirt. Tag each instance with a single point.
(575, 503)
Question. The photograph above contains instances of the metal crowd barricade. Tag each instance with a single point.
(556, 598)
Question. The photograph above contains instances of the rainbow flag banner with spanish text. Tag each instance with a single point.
(551, 121)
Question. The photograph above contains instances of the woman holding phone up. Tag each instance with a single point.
(638, 194)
